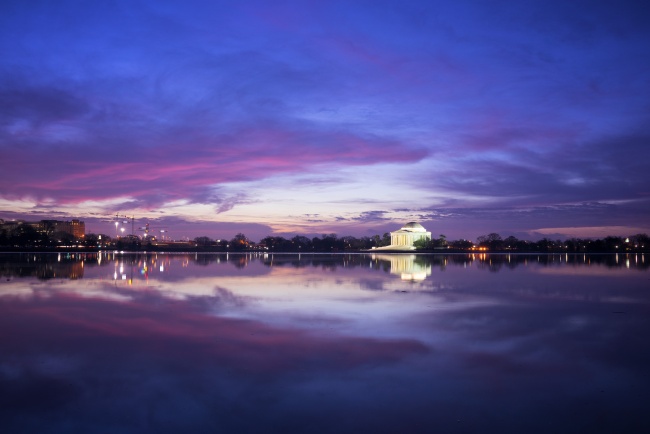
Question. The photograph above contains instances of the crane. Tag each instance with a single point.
(147, 228)
(118, 219)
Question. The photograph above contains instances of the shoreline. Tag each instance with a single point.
(86, 250)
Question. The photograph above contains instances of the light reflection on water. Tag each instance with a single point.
(322, 343)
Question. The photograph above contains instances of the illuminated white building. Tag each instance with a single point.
(406, 236)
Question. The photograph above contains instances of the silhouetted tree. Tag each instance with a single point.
(492, 241)
(203, 241)
(510, 242)
(613, 243)
(461, 244)
(440, 242)
(129, 242)
(278, 244)
(302, 243)
(239, 242)
(640, 240)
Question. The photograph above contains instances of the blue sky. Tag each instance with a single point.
(528, 118)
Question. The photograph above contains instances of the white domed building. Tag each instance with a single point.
(406, 236)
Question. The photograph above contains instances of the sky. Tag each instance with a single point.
(210, 118)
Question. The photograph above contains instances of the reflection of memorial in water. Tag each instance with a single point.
(408, 267)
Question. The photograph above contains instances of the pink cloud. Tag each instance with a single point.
(176, 169)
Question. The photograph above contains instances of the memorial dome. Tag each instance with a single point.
(413, 227)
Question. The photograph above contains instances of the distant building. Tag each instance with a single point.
(405, 237)
(10, 225)
(76, 228)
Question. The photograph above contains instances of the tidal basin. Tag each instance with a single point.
(216, 343)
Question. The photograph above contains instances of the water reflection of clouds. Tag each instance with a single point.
(305, 298)
(156, 327)
(301, 346)
(556, 337)
(319, 284)
(332, 289)
(162, 354)
(39, 290)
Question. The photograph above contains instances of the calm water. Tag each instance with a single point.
(324, 344)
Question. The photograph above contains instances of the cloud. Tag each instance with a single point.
(372, 216)
(186, 166)
(26, 108)
(599, 170)
(154, 105)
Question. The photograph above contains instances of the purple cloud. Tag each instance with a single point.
(537, 105)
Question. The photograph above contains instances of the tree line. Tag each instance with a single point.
(298, 243)
(25, 236)
(495, 243)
